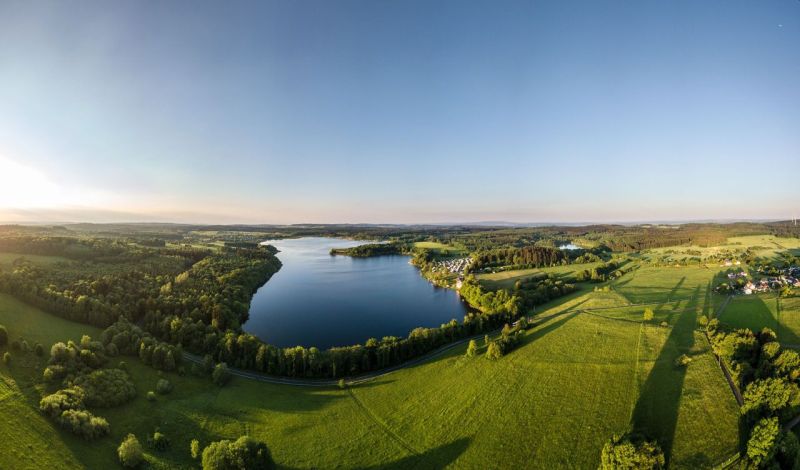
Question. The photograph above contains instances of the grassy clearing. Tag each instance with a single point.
(651, 284)
(440, 248)
(766, 247)
(532, 408)
(765, 311)
(506, 279)
(7, 259)
(789, 320)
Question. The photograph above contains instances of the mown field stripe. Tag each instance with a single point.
(374, 418)
(635, 385)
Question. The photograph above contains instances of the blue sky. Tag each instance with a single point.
(399, 111)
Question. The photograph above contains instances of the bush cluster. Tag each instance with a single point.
(244, 452)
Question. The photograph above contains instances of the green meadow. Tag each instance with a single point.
(755, 312)
(590, 371)
(506, 279)
(439, 248)
(765, 247)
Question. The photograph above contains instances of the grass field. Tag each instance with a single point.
(506, 279)
(532, 408)
(6, 259)
(440, 248)
(782, 315)
(764, 246)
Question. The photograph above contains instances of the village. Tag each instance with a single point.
(774, 279)
(453, 266)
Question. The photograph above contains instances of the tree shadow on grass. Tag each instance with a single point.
(785, 334)
(672, 293)
(438, 457)
(656, 410)
(749, 312)
(554, 325)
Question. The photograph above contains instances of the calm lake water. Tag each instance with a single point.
(321, 300)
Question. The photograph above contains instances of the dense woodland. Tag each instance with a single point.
(768, 375)
(373, 249)
(519, 258)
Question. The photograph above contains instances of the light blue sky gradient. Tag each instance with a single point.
(407, 111)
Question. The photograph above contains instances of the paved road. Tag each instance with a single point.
(380, 373)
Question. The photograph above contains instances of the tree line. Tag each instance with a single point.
(768, 374)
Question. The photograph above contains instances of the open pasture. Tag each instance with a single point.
(755, 312)
(665, 284)
(765, 247)
(440, 248)
(506, 279)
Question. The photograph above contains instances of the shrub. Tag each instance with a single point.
(682, 361)
(3, 335)
(221, 375)
(194, 448)
(631, 451)
(15, 345)
(648, 314)
(130, 452)
(106, 387)
(493, 352)
(84, 424)
(702, 321)
(122, 365)
(7, 358)
(24, 346)
(342, 384)
(159, 441)
(54, 405)
(163, 386)
(151, 396)
(39, 349)
(54, 373)
(472, 348)
(245, 452)
(664, 324)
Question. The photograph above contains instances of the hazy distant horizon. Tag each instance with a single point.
(410, 111)
(122, 218)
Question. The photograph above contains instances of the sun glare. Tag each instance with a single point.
(24, 187)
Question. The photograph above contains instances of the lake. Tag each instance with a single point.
(320, 300)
